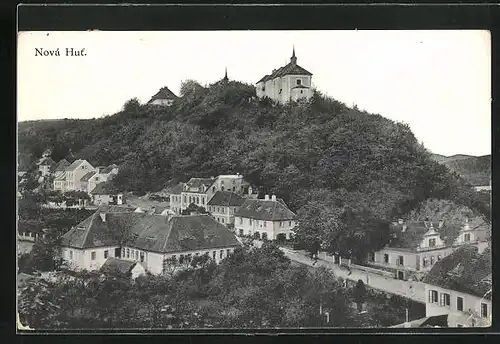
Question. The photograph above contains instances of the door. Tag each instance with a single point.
(118, 253)
(401, 275)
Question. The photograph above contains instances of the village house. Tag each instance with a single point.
(460, 286)
(154, 241)
(100, 175)
(46, 166)
(104, 194)
(61, 166)
(164, 97)
(71, 179)
(267, 218)
(223, 205)
(288, 83)
(414, 247)
(174, 193)
(199, 191)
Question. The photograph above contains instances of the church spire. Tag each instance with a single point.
(225, 76)
(293, 59)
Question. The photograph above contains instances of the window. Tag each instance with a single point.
(128, 253)
(460, 303)
(425, 262)
(432, 260)
(290, 223)
(467, 237)
(92, 255)
(96, 179)
(222, 220)
(265, 223)
(197, 200)
(184, 197)
(386, 258)
(401, 260)
(263, 89)
(213, 188)
(70, 254)
(214, 253)
(250, 221)
(241, 220)
(189, 257)
(228, 252)
(281, 224)
(264, 236)
(432, 242)
(221, 253)
(142, 256)
(301, 91)
(241, 232)
(371, 257)
(123, 252)
(136, 255)
(106, 253)
(484, 310)
(445, 299)
(299, 81)
(222, 188)
(203, 200)
(281, 91)
(83, 167)
(433, 296)
(181, 259)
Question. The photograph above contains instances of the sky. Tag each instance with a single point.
(438, 82)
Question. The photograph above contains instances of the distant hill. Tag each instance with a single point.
(476, 170)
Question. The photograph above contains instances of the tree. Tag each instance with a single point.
(359, 295)
(193, 208)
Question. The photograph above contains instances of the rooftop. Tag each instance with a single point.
(118, 265)
(149, 232)
(268, 210)
(291, 68)
(163, 93)
(87, 176)
(415, 231)
(46, 161)
(465, 270)
(198, 182)
(74, 165)
(105, 188)
(227, 199)
(61, 165)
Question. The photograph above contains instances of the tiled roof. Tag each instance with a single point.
(87, 176)
(125, 208)
(197, 182)
(265, 210)
(118, 265)
(227, 199)
(153, 233)
(465, 270)
(74, 165)
(61, 165)
(46, 161)
(414, 234)
(103, 189)
(108, 169)
(174, 190)
(290, 69)
(163, 93)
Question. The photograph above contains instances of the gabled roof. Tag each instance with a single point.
(74, 165)
(415, 231)
(61, 165)
(87, 176)
(105, 188)
(465, 270)
(268, 210)
(46, 161)
(118, 265)
(154, 233)
(174, 189)
(226, 199)
(163, 93)
(60, 176)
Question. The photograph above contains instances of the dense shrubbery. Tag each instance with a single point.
(344, 171)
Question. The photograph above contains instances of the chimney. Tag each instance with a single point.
(273, 197)
(441, 223)
(266, 197)
(103, 216)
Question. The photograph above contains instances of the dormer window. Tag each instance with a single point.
(299, 82)
(432, 242)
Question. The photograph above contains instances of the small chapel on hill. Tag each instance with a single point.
(291, 82)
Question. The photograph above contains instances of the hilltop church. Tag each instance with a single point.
(291, 82)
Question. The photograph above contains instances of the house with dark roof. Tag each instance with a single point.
(223, 205)
(146, 238)
(288, 83)
(175, 198)
(268, 218)
(199, 191)
(61, 165)
(46, 165)
(460, 286)
(123, 267)
(101, 175)
(104, 194)
(164, 97)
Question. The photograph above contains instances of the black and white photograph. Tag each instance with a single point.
(244, 180)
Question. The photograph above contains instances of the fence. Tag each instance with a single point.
(28, 236)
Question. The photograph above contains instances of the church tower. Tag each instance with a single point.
(293, 59)
(225, 77)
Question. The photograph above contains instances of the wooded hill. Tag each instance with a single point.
(344, 171)
(476, 170)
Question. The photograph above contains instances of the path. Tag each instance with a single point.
(409, 289)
